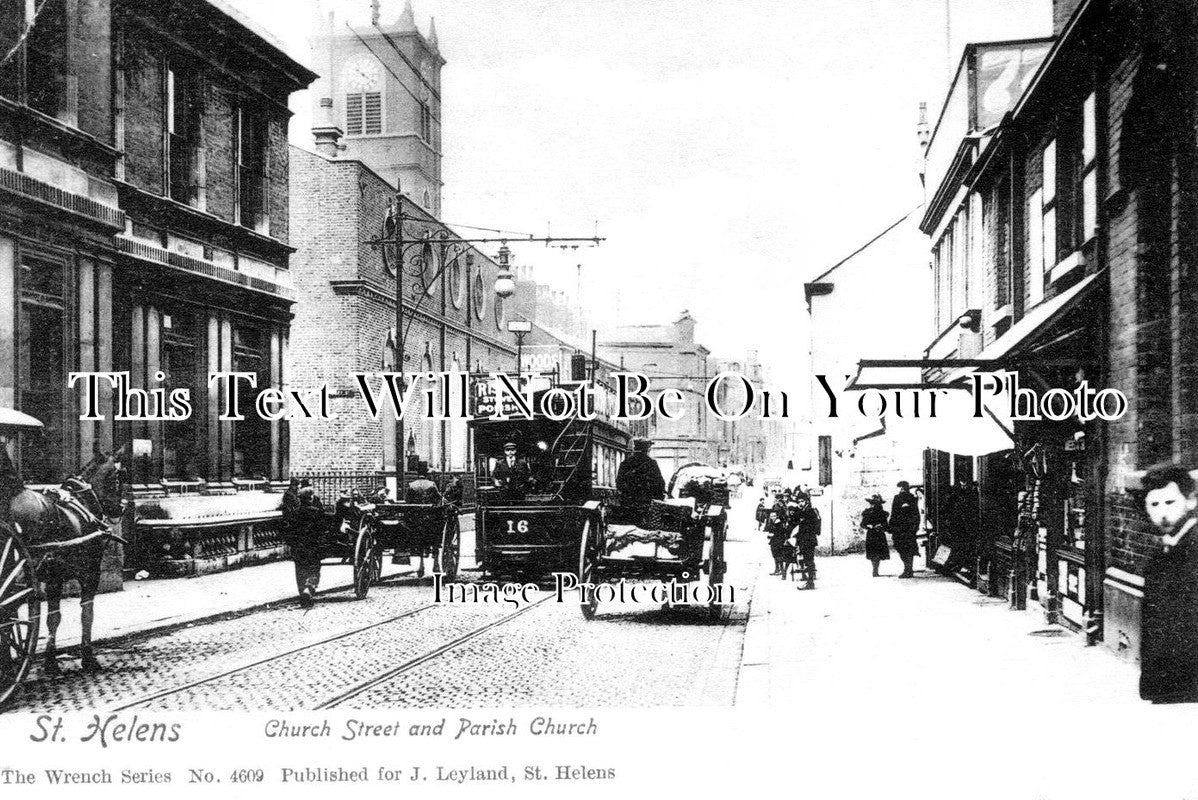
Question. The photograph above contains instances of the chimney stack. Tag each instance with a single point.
(326, 133)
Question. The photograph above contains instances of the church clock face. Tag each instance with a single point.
(363, 74)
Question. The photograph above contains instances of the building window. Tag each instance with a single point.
(251, 436)
(1035, 249)
(426, 123)
(1089, 173)
(181, 362)
(1001, 234)
(363, 113)
(480, 297)
(251, 169)
(182, 127)
(42, 368)
(45, 57)
(1048, 197)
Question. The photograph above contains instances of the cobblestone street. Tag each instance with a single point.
(854, 635)
(447, 655)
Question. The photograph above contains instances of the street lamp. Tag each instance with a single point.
(395, 246)
(520, 327)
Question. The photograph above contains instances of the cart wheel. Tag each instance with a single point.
(451, 546)
(20, 611)
(587, 557)
(376, 562)
(363, 559)
(716, 567)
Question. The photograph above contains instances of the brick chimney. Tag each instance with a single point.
(1062, 10)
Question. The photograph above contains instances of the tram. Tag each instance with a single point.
(541, 484)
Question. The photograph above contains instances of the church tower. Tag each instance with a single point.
(379, 98)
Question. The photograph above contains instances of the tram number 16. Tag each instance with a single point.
(517, 526)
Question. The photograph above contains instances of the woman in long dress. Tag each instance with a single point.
(873, 522)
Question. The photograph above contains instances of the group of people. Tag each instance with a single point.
(792, 526)
(902, 523)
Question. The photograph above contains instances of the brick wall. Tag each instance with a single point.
(220, 152)
(334, 335)
(143, 116)
(278, 153)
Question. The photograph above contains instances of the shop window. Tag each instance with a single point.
(251, 169)
(181, 361)
(42, 368)
(251, 436)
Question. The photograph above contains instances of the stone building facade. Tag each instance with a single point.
(145, 231)
(670, 358)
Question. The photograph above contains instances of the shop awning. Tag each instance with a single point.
(1043, 317)
(954, 429)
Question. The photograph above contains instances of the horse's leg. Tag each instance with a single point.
(89, 582)
(53, 618)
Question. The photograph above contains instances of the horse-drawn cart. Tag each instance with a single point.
(679, 542)
(51, 536)
(419, 529)
(20, 610)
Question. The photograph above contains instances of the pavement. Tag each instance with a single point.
(855, 635)
(160, 603)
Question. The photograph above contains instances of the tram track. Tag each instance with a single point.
(427, 656)
(357, 689)
(158, 695)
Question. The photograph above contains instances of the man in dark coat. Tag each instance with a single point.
(1169, 627)
(511, 474)
(308, 525)
(639, 479)
(421, 490)
(904, 522)
(806, 530)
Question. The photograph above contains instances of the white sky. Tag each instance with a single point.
(729, 149)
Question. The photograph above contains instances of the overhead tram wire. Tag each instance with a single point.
(415, 71)
(398, 79)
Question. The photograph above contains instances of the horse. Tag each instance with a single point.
(59, 532)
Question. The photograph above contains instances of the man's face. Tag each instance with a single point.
(1166, 507)
(509, 453)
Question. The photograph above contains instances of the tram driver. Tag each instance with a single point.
(512, 475)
